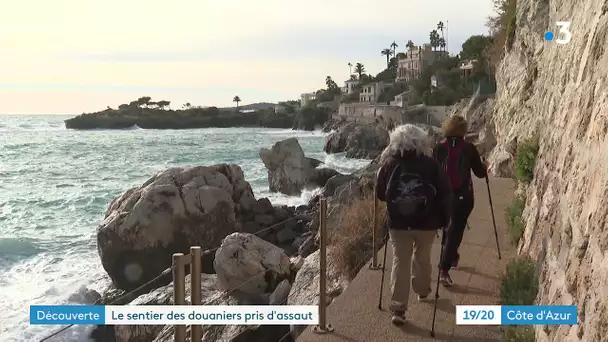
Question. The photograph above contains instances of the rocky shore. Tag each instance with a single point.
(214, 207)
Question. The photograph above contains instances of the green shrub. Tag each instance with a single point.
(519, 286)
(515, 222)
(525, 160)
(518, 333)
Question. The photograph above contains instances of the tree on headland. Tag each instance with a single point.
(410, 45)
(394, 46)
(186, 105)
(236, 99)
(143, 101)
(388, 53)
(359, 69)
(162, 104)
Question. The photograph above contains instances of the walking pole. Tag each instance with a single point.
(493, 220)
(383, 269)
(437, 288)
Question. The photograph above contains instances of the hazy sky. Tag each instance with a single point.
(74, 56)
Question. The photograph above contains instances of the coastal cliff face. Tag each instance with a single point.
(560, 94)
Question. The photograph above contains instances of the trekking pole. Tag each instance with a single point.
(493, 220)
(383, 271)
(437, 288)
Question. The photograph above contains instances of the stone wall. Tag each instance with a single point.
(369, 113)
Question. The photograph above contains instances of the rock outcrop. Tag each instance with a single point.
(357, 140)
(183, 207)
(173, 210)
(290, 171)
(250, 264)
(559, 94)
(305, 288)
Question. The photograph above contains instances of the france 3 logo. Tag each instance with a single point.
(563, 34)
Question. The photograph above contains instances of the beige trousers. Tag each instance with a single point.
(411, 260)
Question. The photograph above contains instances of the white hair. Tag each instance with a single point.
(407, 138)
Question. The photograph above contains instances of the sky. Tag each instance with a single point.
(75, 56)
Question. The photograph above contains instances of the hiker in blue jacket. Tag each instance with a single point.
(459, 157)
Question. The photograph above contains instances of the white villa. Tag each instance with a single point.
(370, 92)
(350, 86)
(306, 98)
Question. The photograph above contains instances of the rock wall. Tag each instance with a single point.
(560, 92)
(366, 113)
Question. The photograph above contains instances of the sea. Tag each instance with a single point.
(56, 184)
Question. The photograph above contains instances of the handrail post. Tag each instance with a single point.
(323, 327)
(179, 293)
(374, 264)
(196, 333)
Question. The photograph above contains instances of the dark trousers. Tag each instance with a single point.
(462, 208)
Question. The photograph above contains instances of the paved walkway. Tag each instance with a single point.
(355, 315)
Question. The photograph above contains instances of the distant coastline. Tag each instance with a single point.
(154, 115)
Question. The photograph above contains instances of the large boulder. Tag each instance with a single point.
(250, 264)
(357, 140)
(288, 167)
(290, 171)
(173, 210)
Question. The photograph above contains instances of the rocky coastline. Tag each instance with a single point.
(148, 115)
(214, 207)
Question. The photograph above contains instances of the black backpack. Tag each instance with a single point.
(409, 199)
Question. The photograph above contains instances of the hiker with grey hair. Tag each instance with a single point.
(418, 199)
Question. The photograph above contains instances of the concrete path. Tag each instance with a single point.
(355, 315)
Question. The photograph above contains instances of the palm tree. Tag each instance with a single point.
(440, 27)
(350, 68)
(442, 44)
(410, 46)
(388, 53)
(236, 99)
(394, 46)
(359, 69)
(434, 39)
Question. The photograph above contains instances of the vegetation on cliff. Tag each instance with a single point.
(519, 286)
(514, 217)
(525, 160)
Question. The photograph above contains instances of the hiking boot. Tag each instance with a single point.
(398, 317)
(423, 298)
(445, 279)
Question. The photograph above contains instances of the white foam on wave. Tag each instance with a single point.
(281, 199)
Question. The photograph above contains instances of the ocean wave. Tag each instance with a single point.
(13, 249)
